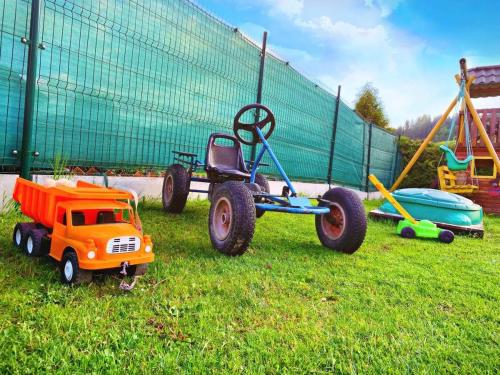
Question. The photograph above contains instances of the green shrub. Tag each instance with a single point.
(424, 172)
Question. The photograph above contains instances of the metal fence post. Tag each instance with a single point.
(369, 157)
(259, 87)
(29, 100)
(334, 134)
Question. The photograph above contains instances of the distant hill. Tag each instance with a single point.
(420, 127)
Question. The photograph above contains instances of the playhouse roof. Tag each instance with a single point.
(487, 82)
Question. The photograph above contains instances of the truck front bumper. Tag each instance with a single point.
(115, 261)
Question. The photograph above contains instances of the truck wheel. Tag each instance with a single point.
(446, 236)
(344, 228)
(175, 188)
(408, 232)
(137, 270)
(33, 244)
(20, 232)
(71, 272)
(231, 221)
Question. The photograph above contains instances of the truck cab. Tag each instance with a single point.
(102, 233)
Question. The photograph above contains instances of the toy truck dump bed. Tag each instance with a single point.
(39, 202)
(86, 227)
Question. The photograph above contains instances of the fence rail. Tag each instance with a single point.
(121, 84)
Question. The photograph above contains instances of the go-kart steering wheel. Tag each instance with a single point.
(238, 125)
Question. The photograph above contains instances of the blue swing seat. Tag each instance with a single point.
(453, 163)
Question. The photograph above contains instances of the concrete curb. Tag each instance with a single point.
(150, 187)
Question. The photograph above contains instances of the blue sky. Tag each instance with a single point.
(408, 49)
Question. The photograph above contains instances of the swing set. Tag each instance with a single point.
(457, 175)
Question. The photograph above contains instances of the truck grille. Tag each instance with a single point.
(120, 245)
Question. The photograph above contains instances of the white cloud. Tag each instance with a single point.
(358, 45)
(352, 42)
(290, 8)
(344, 32)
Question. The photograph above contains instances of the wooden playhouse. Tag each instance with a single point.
(483, 172)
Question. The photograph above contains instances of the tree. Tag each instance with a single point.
(370, 107)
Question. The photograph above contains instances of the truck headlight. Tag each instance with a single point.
(147, 249)
(91, 254)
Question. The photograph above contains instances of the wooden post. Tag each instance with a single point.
(482, 130)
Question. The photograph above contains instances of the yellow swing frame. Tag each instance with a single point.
(447, 179)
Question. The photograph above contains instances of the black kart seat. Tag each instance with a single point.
(225, 159)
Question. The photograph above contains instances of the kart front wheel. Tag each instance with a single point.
(175, 188)
(231, 221)
(261, 180)
(344, 228)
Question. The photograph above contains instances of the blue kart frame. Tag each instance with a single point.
(239, 196)
(289, 202)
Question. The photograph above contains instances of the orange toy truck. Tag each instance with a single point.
(85, 228)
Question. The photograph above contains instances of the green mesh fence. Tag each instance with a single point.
(14, 24)
(121, 84)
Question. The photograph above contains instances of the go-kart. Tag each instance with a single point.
(238, 194)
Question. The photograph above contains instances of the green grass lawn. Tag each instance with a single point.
(287, 306)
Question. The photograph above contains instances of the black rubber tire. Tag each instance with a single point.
(354, 219)
(180, 181)
(408, 232)
(242, 221)
(255, 188)
(446, 236)
(78, 276)
(33, 243)
(261, 180)
(23, 229)
(211, 190)
(137, 270)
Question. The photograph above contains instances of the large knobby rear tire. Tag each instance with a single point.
(175, 188)
(71, 273)
(344, 228)
(231, 221)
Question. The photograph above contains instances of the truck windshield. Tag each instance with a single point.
(97, 217)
